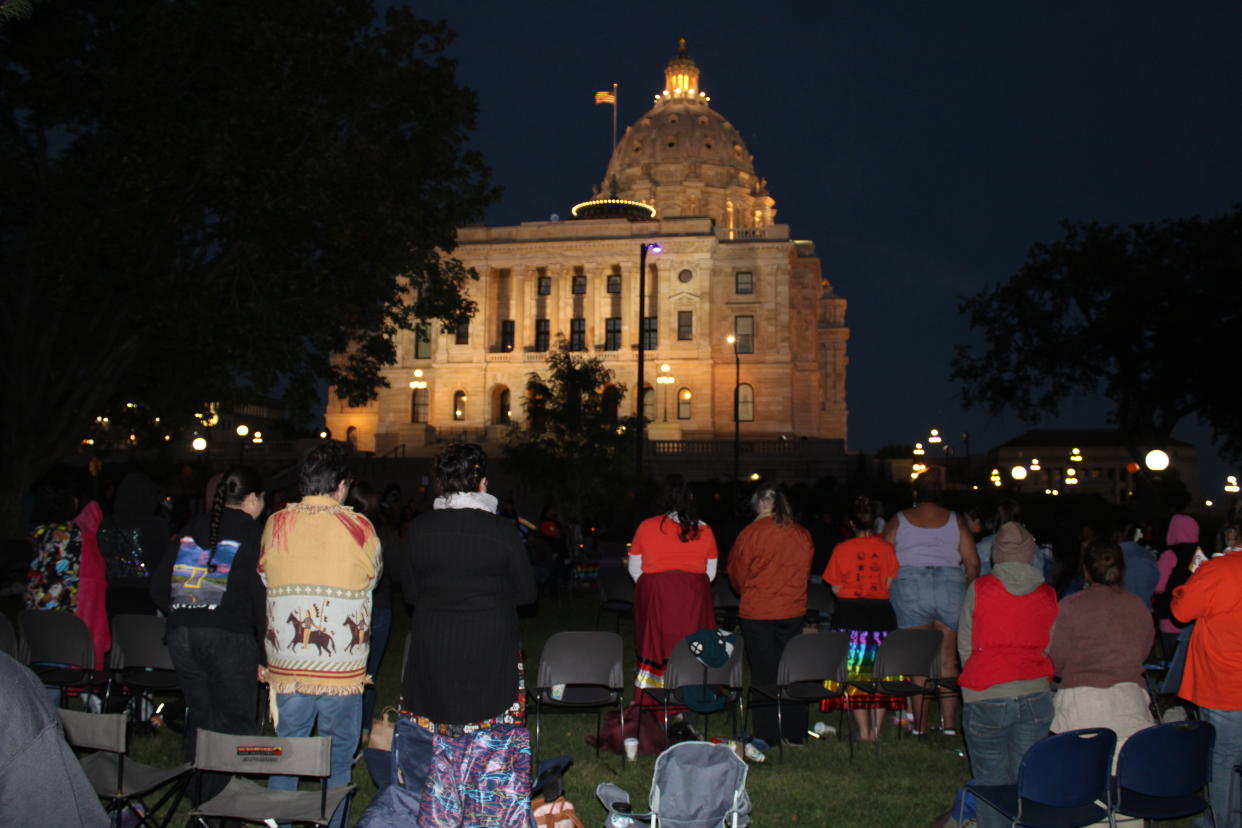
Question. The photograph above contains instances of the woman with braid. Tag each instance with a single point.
(208, 586)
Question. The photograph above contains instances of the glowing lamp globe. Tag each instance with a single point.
(1018, 472)
(1156, 460)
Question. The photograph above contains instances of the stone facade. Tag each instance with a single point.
(725, 268)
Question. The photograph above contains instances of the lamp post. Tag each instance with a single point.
(643, 249)
(737, 406)
(666, 380)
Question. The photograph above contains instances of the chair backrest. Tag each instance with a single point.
(615, 583)
(684, 669)
(8, 637)
(138, 641)
(1069, 769)
(698, 784)
(819, 598)
(55, 637)
(909, 653)
(94, 731)
(291, 756)
(1173, 759)
(723, 596)
(582, 658)
(819, 656)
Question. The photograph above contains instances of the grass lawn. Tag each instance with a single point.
(907, 782)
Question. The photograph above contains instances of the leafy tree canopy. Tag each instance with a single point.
(1147, 315)
(205, 198)
(573, 444)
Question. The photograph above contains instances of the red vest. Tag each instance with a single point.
(1009, 635)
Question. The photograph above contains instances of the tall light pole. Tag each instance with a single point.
(737, 406)
(643, 249)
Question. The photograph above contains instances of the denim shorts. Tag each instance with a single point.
(923, 594)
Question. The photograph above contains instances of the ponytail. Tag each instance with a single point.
(236, 484)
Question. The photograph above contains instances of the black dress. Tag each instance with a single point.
(466, 572)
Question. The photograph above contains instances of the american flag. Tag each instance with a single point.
(605, 97)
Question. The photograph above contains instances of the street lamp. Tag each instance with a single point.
(643, 250)
(243, 431)
(666, 380)
(737, 405)
(199, 444)
(1156, 460)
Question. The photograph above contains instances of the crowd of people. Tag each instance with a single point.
(300, 599)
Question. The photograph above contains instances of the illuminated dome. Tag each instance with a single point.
(686, 159)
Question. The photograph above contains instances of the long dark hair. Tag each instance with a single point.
(365, 500)
(232, 489)
(679, 501)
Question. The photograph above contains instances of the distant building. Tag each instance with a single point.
(680, 176)
(1104, 467)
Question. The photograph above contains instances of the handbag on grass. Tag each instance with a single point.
(382, 729)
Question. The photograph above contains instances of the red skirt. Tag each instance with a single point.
(668, 606)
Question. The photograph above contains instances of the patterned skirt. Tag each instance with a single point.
(868, 622)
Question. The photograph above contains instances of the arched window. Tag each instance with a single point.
(459, 405)
(745, 403)
(683, 403)
(649, 406)
(351, 438)
(418, 405)
(502, 414)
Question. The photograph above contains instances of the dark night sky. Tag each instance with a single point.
(923, 147)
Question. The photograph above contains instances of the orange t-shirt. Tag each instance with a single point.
(862, 567)
(658, 540)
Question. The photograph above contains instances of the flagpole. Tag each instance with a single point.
(614, 119)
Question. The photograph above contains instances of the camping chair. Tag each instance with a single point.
(268, 755)
(616, 592)
(807, 662)
(139, 659)
(120, 781)
(1060, 781)
(685, 675)
(8, 637)
(580, 670)
(1162, 770)
(904, 653)
(694, 785)
(57, 645)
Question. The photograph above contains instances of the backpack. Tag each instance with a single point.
(52, 582)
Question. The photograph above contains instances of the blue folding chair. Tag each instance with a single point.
(1059, 781)
(1162, 771)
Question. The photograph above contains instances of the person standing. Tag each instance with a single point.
(769, 567)
(1212, 599)
(208, 585)
(1003, 635)
(320, 560)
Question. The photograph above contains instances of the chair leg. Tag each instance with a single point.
(538, 729)
(780, 726)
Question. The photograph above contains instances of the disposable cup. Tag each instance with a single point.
(631, 748)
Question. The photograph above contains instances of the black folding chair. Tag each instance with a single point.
(57, 646)
(685, 672)
(616, 592)
(807, 662)
(902, 654)
(121, 781)
(580, 671)
(139, 660)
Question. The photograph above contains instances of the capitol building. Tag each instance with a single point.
(734, 304)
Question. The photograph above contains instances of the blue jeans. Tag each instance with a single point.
(923, 594)
(998, 734)
(1226, 752)
(339, 717)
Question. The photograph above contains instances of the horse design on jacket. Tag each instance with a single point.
(360, 632)
(306, 635)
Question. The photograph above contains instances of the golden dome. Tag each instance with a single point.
(686, 159)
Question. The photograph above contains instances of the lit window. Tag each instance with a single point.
(649, 406)
(744, 330)
(683, 403)
(503, 414)
(459, 405)
(506, 334)
(745, 403)
(418, 405)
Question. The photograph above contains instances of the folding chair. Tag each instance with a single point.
(1060, 781)
(139, 659)
(120, 781)
(1162, 770)
(616, 592)
(904, 653)
(820, 603)
(8, 637)
(694, 785)
(268, 755)
(726, 602)
(58, 648)
(807, 662)
(585, 668)
(684, 672)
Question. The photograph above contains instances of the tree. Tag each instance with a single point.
(206, 199)
(1147, 316)
(573, 444)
